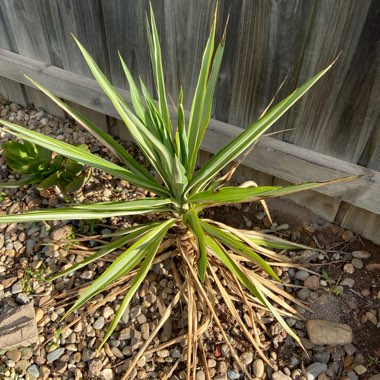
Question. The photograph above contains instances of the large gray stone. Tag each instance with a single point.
(18, 327)
(328, 333)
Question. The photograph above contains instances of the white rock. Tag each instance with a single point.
(360, 369)
(246, 358)
(87, 275)
(107, 374)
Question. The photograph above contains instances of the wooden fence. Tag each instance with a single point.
(335, 128)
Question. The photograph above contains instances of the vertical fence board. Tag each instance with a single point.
(362, 222)
(13, 91)
(321, 204)
(99, 119)
(84, 19)
(124, 22)
(323, 116)
(40, 100)
(8, 88)
(27, 35)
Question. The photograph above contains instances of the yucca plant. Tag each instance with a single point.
(207, 257)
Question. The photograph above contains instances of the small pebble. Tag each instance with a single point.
(107, 374)
(163, 353)
(350, 349)
(352, 375)
(361, 255)
(357, 263)
(22, 299)
(232, 375)
(107, 312)
(99, 323)
(14, 355)
(279, 375)
(312, 282)
(34, 371)
(16, 288)
(349, 268)
(87, 354)
(315, 369)
(55, 354)
(347, 235)
(87, 275)
(365, 292)
(360, 369)
(303, 294)
(258, 368)
(348, 282)
(246, 358)
(371, 317)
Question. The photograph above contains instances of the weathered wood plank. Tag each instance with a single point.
(361, 221)
(99, 119)
(321, 204)
(40, 100)
(13, 91)
(278, 158)
(8, 88)
(264, 41)
(127, 35)
(26, 33)
(83, 19)
(331, 118)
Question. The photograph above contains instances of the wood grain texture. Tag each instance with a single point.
(275, 157)
(124, 24)
(41, 101)
(25, 28)
(84, 19)
(99, 119)
(333, 110)
(264, 41)
(323, 205)
(362, 222)
(11, 90)
(21, 33)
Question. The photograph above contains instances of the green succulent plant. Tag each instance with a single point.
(37, 166)
(207, 257)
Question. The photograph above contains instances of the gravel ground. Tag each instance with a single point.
(30, 252)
